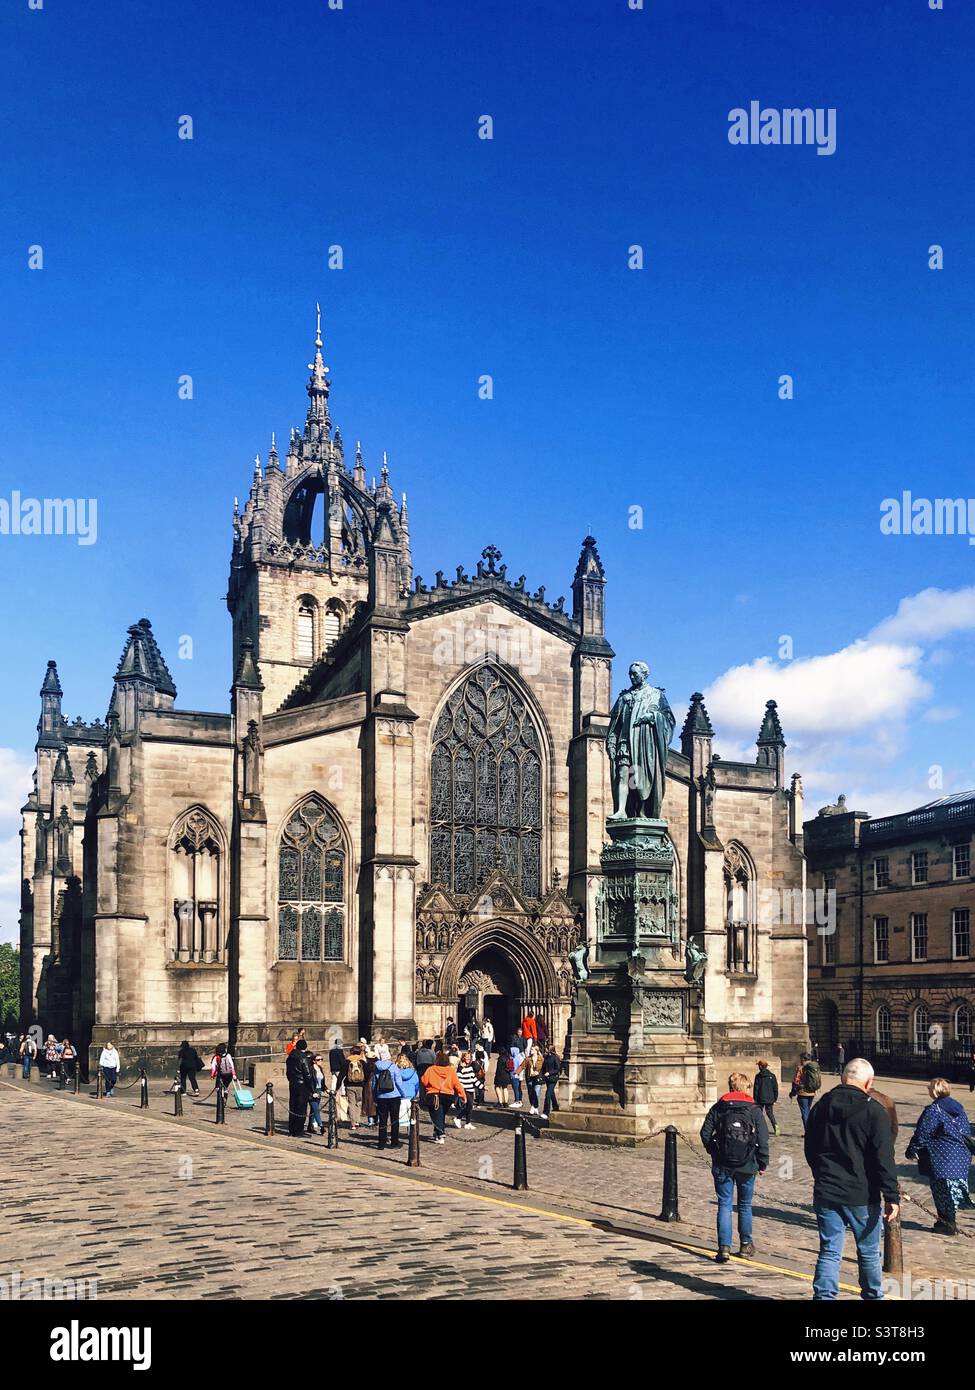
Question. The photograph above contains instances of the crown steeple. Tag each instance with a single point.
(318, 422)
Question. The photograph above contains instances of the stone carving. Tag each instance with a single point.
(696, 959)
(606, 1012)
(579, 960)
(663, 1008)
(641, 726)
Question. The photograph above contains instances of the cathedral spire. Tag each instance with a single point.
(317, 424)
(359, 468)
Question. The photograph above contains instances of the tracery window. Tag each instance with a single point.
(311, 886)
(486, 808)
(195, 845)
(741, 924)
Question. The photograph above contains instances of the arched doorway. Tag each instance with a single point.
(491, 989)
(512, 974)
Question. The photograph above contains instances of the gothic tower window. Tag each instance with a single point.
(486, 808)
(196, 850)
(333, 621)
(312, 880)
(306, 631)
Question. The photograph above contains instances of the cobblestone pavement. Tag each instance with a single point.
(152, 1210)
(365, 1225)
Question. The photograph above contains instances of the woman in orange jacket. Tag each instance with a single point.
(440, 1084)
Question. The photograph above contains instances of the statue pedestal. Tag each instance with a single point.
(638, 1053)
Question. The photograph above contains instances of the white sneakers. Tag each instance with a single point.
(439, 1139)
(457, 1122)
(515, 1105)
(533, 1110)
(468, 1125)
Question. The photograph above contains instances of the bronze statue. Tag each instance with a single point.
(641, 726)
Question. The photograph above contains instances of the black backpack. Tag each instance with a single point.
(736, 1138)
(385, 1085)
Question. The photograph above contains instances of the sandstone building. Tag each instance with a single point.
(896, 979)
(399, 818)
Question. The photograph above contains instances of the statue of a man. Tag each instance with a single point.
(640, 729)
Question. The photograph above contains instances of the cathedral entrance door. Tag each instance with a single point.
(499, 993)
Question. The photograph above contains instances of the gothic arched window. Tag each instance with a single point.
(486, 808)
(741, 922)
(311, 885)
(196, 846)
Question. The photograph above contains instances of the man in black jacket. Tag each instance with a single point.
(765, 1089)
(734, 1133)
(301, 1083)
(851, 1153)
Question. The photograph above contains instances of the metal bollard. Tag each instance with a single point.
(77, 1076)
(221, 1103)
(177, 1097)
(520, 1183)
(413, 1154)
(98, 1084)
(61, 1077)
(332, 1128)
(670, 1210)
(143, 1090)
(269, 1109)
(893, 1247)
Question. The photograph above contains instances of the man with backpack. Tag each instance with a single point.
(388, 1096)
(355, 1077)
(805, 1084)
(735, 1135)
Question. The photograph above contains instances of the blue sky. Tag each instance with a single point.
(614, 388)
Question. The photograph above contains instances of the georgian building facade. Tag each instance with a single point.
(399, 817)
(896, 979)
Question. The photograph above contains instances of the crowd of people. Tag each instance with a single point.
(375, 1082)
(849, 1145)
(53, 1057)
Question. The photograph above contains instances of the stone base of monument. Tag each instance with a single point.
(626, 1082)
(638, 1051)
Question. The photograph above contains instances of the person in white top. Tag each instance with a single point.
(487, 1036)
(111, 1064)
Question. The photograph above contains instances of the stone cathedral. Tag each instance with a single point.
(401, 817)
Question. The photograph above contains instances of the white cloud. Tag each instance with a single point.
(929, 616)
(850, 716)
(858, 687)
(940, 714)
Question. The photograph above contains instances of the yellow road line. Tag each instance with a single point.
(603, 1225)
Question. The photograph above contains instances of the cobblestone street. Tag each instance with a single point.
(155, 1205)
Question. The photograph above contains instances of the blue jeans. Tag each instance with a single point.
(27, 1061)
(866, 1223)
(516, 1087)
(316, 1111)
(111, 1076)
(805, 1105)
(725, 1184)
